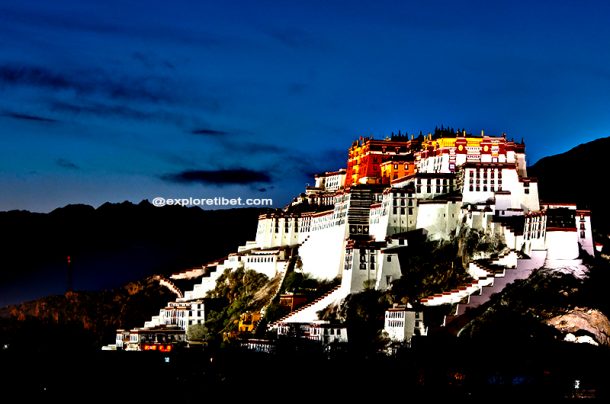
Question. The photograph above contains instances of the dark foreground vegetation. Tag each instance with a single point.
(435, 368)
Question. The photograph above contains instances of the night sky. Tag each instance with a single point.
(124, 100)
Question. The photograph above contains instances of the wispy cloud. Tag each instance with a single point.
(208, 132)
(28, 117)
(99, 25)
(239, 144)
(150, 89)
(56, 20)
(248, 147)
(65, 163)
(233, 176)
(35, 76)
(118, 111)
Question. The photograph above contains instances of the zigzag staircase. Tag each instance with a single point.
(289, 268)
(208, 280)
(490, 276)
(309, 312)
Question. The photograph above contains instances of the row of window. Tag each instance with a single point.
(363, 263)
(325, 331)
(286, 228)
(485, 180)
(158, 337)
(183, 323)
(181, 313)
(485, 188)
(483, 172)
(402, 211)
(403, 194)
(403, 223)
(328, 225)
(439, 189)
(260, 259)
(437, 181)
(401, 202)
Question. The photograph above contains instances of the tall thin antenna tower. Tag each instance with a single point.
(69, 275)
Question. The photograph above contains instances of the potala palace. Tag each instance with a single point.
(353, 222)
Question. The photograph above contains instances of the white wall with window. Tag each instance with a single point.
(402, 323)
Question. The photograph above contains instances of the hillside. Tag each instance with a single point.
(111, 245)
(547, 306)
(80, 321)
(575, 176)
(119, 243)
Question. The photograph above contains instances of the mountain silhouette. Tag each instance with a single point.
(577, 176)
(111, 245)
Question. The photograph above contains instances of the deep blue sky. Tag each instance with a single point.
(118, 100)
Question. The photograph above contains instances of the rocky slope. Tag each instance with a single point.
(80, 320)
(552, 304)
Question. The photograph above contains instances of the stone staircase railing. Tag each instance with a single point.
(489, 276)
(309, 312)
